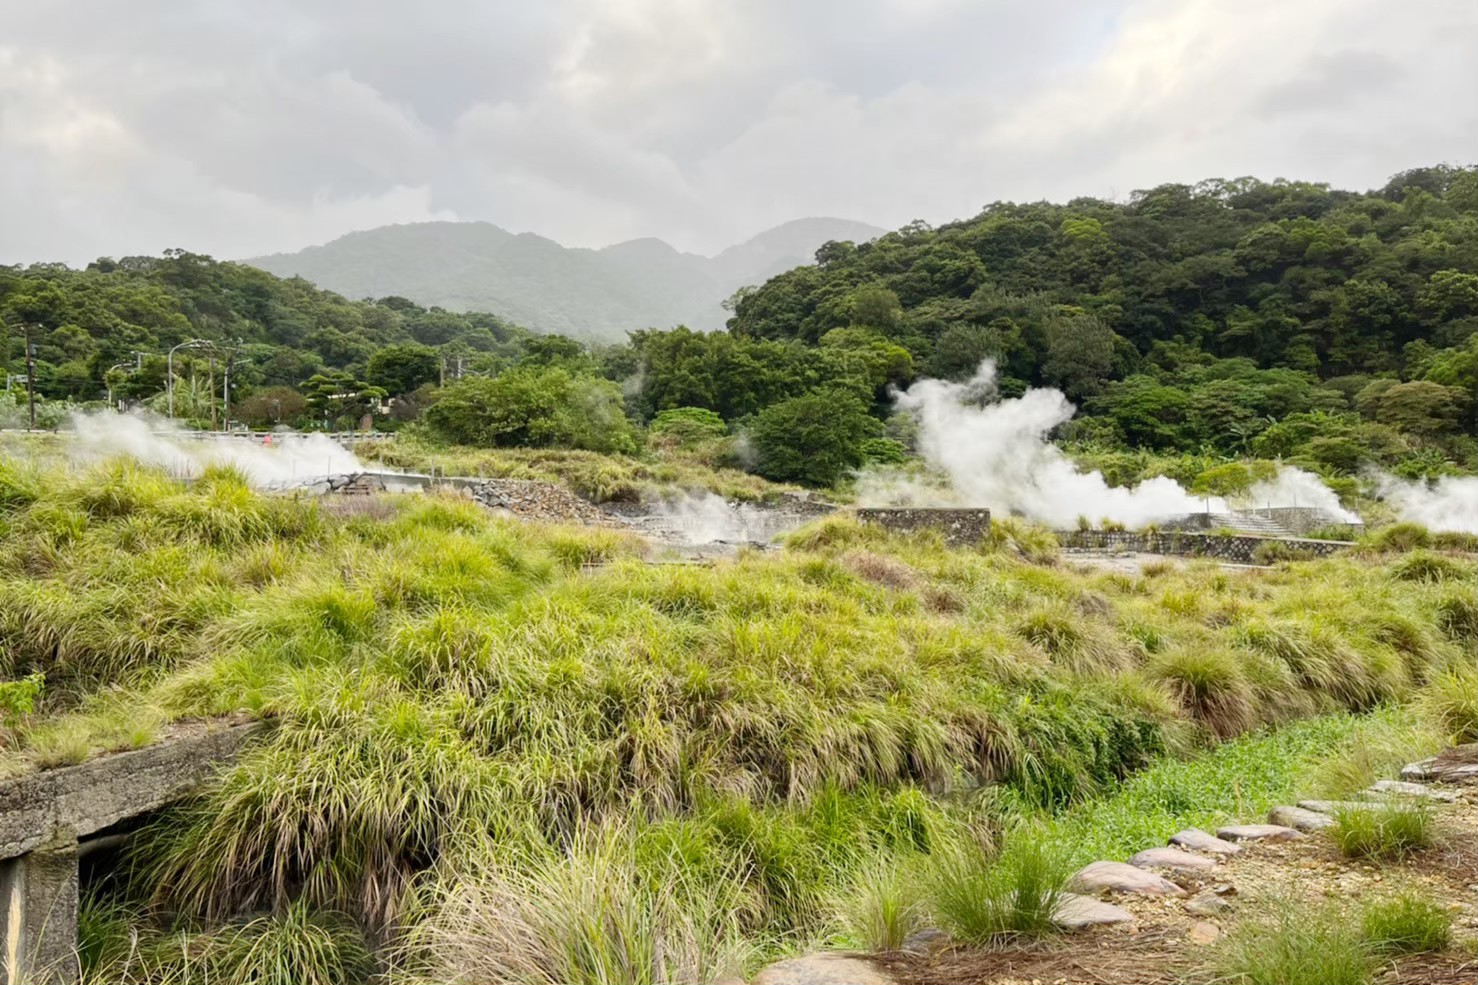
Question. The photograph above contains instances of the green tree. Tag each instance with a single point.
(533, 407)
(813, 439)
(399, 369)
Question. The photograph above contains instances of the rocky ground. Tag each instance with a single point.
(1158, 920)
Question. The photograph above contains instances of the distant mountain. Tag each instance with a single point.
(536, 282)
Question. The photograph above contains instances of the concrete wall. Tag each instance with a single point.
(1302, 519)
(1237, 550)
(959, 527)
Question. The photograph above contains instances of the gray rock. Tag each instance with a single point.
(827, 968)
(1333, 806)
(930, 940)
(1076, 912)
(1207, 904)
(1456, 765)
(1300, 818)
(1198, 840)
(1119, 877)
(1400, 788)
(1258, 832)
(1171, 858)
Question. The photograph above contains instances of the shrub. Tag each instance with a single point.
(1388, 830)
(1406, 924)
(1293, 945)
(687, 427)
(984, 901)
(533, 407)
(1335, 531)
(1455, 540)
(1457, 615)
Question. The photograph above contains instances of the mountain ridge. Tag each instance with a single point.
(597, 294)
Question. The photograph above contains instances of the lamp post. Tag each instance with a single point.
(110, 386)
(169, 368)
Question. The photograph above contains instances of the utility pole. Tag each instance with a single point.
(226, 391)
(210, 388)
(30, 376)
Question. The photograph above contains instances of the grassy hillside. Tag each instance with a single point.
(485, 762)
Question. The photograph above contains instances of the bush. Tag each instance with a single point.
(984, 901)
(1457, 615)
(815, 439)
(1210, 685)
(687, 427)
(1293, 946)
(1406, 924)
(1388, 830)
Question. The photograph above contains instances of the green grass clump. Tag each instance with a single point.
(882, 907)
(1451, 702)
(1390, 830)
(986, 900)
(1397, 537)
(1279, 551)
(1210, 684)
(1406, 924)
(1293, 944)
(1430, 567)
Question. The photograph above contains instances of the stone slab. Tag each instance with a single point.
(1402, 788)
(1120, 877)
(1173, 859)
(75, 801)
(1207, 904)
(822, 969)
(1201, 841)
(1456, 765)
(1258, 832)
(1076, 912)
(1300, 818)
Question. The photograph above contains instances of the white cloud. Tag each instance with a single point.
(700, 121)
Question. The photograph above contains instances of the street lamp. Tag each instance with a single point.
(110, 385)
(169, 367)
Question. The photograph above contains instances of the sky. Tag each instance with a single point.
(235, 128)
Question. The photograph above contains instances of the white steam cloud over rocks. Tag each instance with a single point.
(996, 453)
(290, 460)
(1450, 503)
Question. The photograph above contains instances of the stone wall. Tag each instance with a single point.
(959, 527)
(1234, 549)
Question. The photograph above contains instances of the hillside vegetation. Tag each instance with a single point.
(485, 763)
(1286, 321)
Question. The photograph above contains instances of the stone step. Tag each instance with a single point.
(1332, 807)
(1076, 912)
(1200, 841)
(1402, 788)
(1300, 818)
(1120, 877)
(1173, 859)
(1259, 832)
(1456, 765)
(825, 968)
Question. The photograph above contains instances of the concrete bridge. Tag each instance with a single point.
(51, 818)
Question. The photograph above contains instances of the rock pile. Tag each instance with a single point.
(531, 499)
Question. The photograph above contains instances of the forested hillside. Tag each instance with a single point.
(1280, 320)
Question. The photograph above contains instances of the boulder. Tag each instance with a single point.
(826, 968)
(1120, 877)
(1076, 912)
(1332, 806)
(1456, 765)
(1300, 818)
(1198, 840)
(1258, 832)
(1171, 858)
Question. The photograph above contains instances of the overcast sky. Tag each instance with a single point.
(235, 128)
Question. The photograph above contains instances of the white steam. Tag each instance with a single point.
(290, 460)
(996, 454)
(704, 518)
(1450, 503)
(1295, 487)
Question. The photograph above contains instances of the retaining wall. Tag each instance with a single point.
(1235, 549)
(959, 527)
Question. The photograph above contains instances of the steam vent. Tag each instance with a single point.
(958, 526)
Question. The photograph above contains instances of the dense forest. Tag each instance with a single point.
(1228, 318)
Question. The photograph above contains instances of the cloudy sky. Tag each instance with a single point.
(235, 128)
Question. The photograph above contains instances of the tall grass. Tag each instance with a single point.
(1407, 923)
(1389, 830)
(776, 724)
(1293, 943)
(986, 900)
